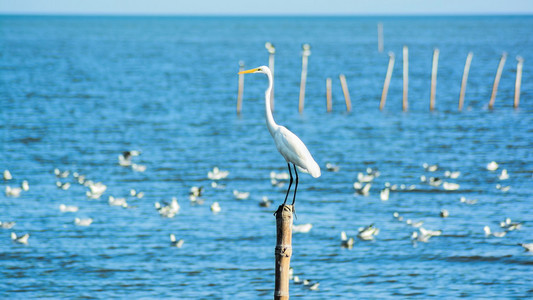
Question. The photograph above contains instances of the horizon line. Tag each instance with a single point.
(111, 14)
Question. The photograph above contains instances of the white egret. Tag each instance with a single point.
(288, 144)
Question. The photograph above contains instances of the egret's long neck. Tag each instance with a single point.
(271, 124)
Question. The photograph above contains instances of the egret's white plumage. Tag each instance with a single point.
(288, 144)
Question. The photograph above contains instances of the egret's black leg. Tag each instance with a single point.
(290, 183)
(296, 186)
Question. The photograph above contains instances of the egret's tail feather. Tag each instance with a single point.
(314, 170)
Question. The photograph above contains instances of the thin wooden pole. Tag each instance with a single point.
(346, 93)
(405, 104)
(387, 81)
(518, 81)
(497, 80)
(328, 95)
(283, 251)
(380, 37)
(434, 79)
(305, 54)
(465, 79)
(241, 87)
(271, 51)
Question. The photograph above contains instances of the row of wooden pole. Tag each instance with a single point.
(405, 104)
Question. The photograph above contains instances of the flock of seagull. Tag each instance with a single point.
(364, 182)
(362, 187)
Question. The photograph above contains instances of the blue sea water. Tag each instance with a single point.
(77, 91)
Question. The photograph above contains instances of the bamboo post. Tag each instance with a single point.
(497, 80)
(405, 104)
(241, 87)
(346, 93)
(283, 251)
(518, 81)
(380, 37)
(305, 54)
(434, 79)
(328, 95)
(387, 81)
(271, 51)
(465, 79)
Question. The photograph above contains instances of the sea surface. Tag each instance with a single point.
(75, 92)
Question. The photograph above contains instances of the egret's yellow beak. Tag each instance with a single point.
(249, 71)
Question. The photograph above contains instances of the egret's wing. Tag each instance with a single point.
(295, 151)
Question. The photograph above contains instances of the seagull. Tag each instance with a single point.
(314, 286)
(435, 181)
(364, 178)
(196, 191)
(241, 195)
(492, 166)
(488, 232)
(215, 207)
(95, 189)
(216, 185)
(332, 167)
(134, 193)
(124, 159)
(503, 188)
(60, 174)
(20, 239)
(362, 190)
(450, 186)
(384, 194)
(368, 232)
(470, 202)
(83, 222)
(277, 183)
(265, 202)
(138, 168)
(7, 225)
(217, 174)
(279, 176)
(7, 175)
(346, 242)
(430, 168)
(452, 174)
(25, 186)
(510, 226)
(174, 242)
(414, 224)
(168, 210)
(302, 228)
(444, 213)
(504, 175)
(64, 186)
(117, 201)
(13, 192)
(67, 208)
(424, 235)
(527, 247)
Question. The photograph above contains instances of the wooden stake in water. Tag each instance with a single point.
(518, 81)
(405, 104)
(305, 54)
(271, 51)
(328, 95)
(346, 93)
(283, 251)
(387, 81)
(434, 79)
(241, 87)
(465, 79)
(497, 80)
(380, 37)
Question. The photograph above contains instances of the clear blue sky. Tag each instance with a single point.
(268, 7)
